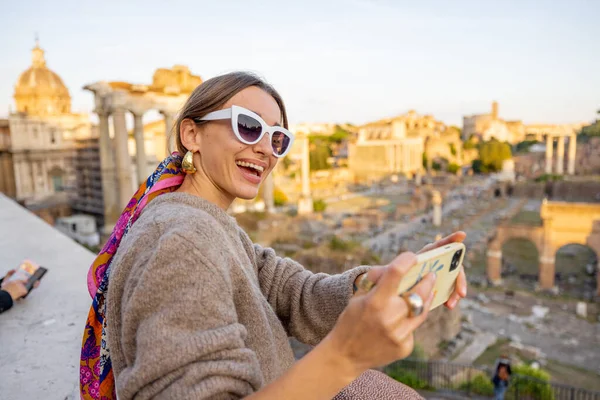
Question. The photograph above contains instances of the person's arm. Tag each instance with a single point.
(11, 291)
(6, 301)
(307, 304)
(179, 326)
(179, 332)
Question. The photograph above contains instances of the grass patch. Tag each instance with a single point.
(527, 218)
(481, 385)
(559, 373)
(491, 354)
(522, 254)
(573, 376)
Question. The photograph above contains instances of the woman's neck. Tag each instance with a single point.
(206, 190)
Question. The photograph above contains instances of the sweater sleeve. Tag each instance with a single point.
(308, 304)
(180, 334)
(6, 302)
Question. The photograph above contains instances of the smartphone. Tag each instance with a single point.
(30, 272)
(445, 262)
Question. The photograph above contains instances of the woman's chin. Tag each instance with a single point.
(247, 193)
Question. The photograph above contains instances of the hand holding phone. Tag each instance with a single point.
(28, 272)
(445, 262)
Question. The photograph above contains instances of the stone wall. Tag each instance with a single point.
(441, 324)
(588, 160)
(573, 191)
(576, 191)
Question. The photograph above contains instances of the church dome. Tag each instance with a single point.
(39, 91)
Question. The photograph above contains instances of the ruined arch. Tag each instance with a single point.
(520, 256)
(563, 223)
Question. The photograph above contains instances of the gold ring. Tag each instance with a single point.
(414, 303)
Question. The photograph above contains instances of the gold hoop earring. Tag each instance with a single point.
(187, 165)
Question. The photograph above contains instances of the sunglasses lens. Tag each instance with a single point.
(280, 142)
(249, 128)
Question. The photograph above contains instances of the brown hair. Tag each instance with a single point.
(212, 94)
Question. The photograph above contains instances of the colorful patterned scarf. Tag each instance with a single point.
(96, 378)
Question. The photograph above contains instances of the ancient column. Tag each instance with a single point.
(406, 159)
(169, 136)
(107, 170)
(436, 201)
(560, 155)
(572, 155)
(140, 151)
(549, 149)
(305, 204)
(123, 161)
(268, 198)
(546, 275)
(494, 266)
(547, 252)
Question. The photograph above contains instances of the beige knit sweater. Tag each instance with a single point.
(195, 310)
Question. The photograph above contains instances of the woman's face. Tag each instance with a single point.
(220, 152)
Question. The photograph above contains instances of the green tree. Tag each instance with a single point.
(456, 130)
(319, 205)
(493, 153)
(319, 154)
(339, 135)
(452, 149)
(469, 144)
(523, 147)
(453, 168)
(279, 198)
(537, 388)
(479, 167)
(590, 130)
(286, 162)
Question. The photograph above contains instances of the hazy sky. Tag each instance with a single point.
(339, 61)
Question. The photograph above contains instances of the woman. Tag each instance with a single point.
(501, 377)
(195, 310)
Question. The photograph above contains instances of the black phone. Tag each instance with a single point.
(37, 275)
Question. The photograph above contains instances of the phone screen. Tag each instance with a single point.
(30, 272)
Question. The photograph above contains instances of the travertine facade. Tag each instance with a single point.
(392, 146)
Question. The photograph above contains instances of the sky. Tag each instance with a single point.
(332, 61)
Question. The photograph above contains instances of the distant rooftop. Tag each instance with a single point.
(40, 336)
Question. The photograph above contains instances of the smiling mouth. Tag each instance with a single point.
(251, 168)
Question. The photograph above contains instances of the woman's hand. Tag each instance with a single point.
(460, 290)
(16, 289)
(375, 328)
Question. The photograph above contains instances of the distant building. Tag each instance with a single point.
(87, 196)
(81, 228)
(7, 173)
(39, 140)
(392, 146)
(488, 126)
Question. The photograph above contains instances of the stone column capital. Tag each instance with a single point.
(102, 112)
(168, 113)
(137, 112)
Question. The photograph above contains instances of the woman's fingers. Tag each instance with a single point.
(460, 290)
(395, 271)
(408, 325)
(455, 237)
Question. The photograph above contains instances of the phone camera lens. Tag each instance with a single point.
(455, 259)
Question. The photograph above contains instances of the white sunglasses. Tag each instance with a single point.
(249, 128)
